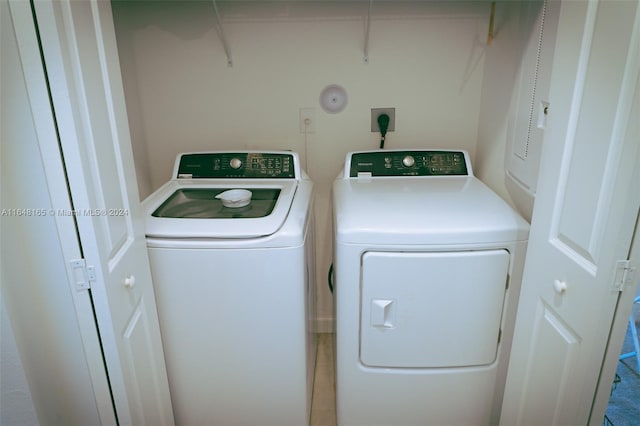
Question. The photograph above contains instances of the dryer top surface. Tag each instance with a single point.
(415, 210)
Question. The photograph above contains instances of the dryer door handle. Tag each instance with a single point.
(383, 313)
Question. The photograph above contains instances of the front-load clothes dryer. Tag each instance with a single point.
(427, 269)
(230, 240)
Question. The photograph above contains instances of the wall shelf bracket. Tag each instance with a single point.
(492, 17)
(367, 31)
(221, 34)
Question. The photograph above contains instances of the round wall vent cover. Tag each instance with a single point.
(333, 98)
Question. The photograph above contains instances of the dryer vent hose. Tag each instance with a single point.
(330, 278)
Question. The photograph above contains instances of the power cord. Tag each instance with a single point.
(383, 124)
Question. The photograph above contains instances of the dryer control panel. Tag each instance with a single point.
(383, 163)
(235, 165)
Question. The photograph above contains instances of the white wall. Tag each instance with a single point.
(16, 403)
(426, 60)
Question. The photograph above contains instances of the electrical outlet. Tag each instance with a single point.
(375, 112)
(307, 120)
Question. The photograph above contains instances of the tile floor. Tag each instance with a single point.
(323, 406)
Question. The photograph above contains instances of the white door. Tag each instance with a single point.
(81, 59)
(583, 219)
(71, 337)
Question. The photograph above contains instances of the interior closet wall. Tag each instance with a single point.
(512, 30)
(426, 59)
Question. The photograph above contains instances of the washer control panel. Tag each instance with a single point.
(234, 165)
(408, 163)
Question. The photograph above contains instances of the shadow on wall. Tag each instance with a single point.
(167, 15)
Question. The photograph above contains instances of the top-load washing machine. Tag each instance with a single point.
(428, 263)
(230, 240)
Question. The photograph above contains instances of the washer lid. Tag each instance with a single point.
(188, 209)
(210, 203)
(418, 210)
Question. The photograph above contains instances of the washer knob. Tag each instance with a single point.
(408, 161)
(235, 163)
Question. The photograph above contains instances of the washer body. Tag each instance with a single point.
(234, 288)
(428, 264)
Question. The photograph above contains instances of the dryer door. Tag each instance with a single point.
(432, 309)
